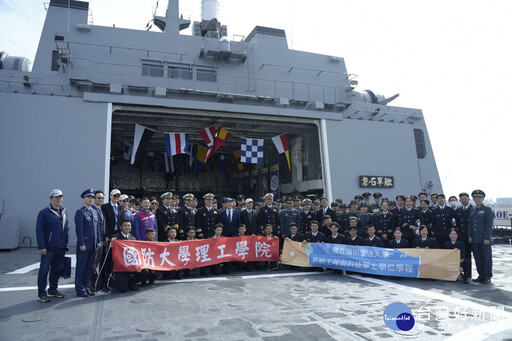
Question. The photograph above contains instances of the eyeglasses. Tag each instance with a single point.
(154, 203)
(117, 195)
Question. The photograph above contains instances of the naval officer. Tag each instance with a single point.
(480, 234)
(206, 218)
(88, 241)
(166, 215)
(269, 214)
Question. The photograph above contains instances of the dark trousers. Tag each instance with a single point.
(467, 260)
(483, 259)
(83, 271)
(106, 267)
(126, 280)
(51, 262)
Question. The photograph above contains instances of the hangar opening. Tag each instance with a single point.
(222, 174)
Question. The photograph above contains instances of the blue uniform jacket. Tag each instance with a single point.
(52, 229)
(286, 217)
(480, 224)
(100, 221)
(86, 229)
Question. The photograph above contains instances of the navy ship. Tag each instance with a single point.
(65, 124)
(67, 121)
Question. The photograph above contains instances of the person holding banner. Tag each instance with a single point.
(314, 236)
(171, 233)
(124, 281)
(398, 242)
(335, 237)
(455, 244)
(267, 232)
(424, 241)
(372, 239)
(353, 238)
(480, 236)
(294, 234)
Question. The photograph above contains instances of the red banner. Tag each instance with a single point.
(134, 255)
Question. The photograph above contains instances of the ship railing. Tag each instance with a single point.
(203, 78)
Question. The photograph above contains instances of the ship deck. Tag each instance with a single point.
(260, 305)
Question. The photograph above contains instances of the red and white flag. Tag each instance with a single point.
(281, 143)
(208, 135)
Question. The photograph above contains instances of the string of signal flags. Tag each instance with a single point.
(251, 150)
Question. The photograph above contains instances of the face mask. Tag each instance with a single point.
(375, 210)
(453, 204)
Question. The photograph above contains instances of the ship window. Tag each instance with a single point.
(206, 75)
(180, 72)
(419, 137)
(55, 60)
(152, 70)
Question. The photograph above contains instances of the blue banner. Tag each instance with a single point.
(264, 181)
(367, 259)
(274, 181)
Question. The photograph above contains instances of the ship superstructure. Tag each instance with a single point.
(65, 123)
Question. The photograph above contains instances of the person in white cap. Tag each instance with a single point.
(249, 217)
(206, 218)
(186, 216)
(112, 214)
(268, 214)
(166, 216)
(52, 240)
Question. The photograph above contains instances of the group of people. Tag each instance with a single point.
(412, 221)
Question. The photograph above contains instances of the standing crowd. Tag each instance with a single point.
(406, 222)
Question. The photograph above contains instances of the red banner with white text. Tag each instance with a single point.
(135, 255)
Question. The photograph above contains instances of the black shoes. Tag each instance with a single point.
(83, 294)
(44, 299)
(56, 294)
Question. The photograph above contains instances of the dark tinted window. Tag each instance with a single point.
(55, 60)
(419, 137)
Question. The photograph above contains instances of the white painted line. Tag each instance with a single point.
(35, 266)
(482, 331)
(284, 275)
(62, 286)
(189, 280)
(432, 294)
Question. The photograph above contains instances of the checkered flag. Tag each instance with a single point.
(252, 151)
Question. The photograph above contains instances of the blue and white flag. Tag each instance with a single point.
(252, 150)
